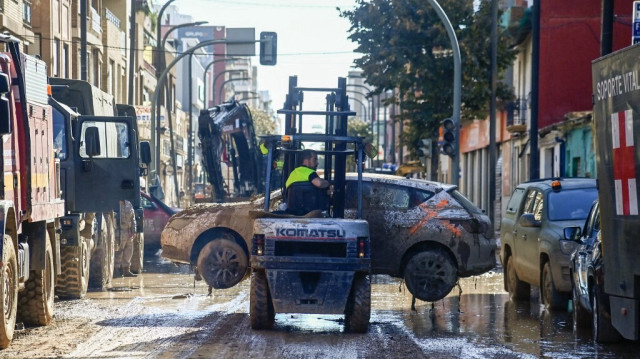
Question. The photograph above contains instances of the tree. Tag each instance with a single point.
(405, 47)
(262, 123)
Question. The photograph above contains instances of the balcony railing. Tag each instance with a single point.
(95, 21)
(109, 16)
(517, 115)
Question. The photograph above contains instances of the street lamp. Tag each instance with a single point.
(215, 79)
(206, 70)
(231, 80)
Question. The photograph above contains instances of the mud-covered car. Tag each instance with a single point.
(425, 232)
(156, 216)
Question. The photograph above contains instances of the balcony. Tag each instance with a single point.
(517, 116)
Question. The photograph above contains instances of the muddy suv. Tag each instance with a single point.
(534, 250)
(425, 232)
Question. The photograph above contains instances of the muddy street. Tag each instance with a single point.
(162, 314)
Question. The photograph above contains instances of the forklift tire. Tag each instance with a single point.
(261, 312)
(222, 263)
(430, 274)
(137, 260)
(73, 280)
(8, 292)
(358, 309)
(35, 302)
(102, 259)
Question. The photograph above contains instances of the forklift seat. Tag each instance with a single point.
(304, 197)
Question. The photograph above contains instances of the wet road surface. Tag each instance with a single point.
(165, 314)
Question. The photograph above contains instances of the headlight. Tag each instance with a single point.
(567, 247)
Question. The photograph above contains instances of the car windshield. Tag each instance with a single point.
(571, 204)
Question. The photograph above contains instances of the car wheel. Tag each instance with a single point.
(581, 317)
(551, 298)
(603, 330)
(358, 309)
(431, 274)
(222, 263)
(517, 288)
(261, 312)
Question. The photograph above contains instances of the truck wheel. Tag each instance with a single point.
(102, 259)
(35, 302)
(430, 275)
(261, 312)
(581, 318)
(222, 263)
(73, 280)
(517, 288)
(551, 298)
(603, 330)
(358, 309)
(8, 292)
(137, 260)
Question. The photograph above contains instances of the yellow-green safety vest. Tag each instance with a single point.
(300, 174)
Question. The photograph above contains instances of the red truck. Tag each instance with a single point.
(30, 203)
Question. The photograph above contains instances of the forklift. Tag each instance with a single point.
(308, 258)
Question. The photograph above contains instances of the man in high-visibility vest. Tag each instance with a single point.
(307, 171)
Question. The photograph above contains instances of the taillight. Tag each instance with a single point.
(362, 247)
(258, 244)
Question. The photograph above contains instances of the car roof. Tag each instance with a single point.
(399, 180)
(566, 183)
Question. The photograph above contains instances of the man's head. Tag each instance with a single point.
(309, 158)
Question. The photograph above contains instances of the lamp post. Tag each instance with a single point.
(161, 65)
(206, 70)
(159, 35)
(215, 79)
(231, 80)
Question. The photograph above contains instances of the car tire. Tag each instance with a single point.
(222, 263)
(551, 298)
(261, 312)
(357, 313)
(603, 330)
(581, 317)
(137, 259)
(517, 289)
(35, 302)
(431, 274)
(8, 292)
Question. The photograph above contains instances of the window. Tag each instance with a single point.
(55, 63)
(26, 12)
(571, 204)
(534, 204)
(146, 204)
(64, 61)
(114, 139)
(516, 198)
(59, 136)
(385, 196)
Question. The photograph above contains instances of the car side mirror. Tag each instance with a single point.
(572, 234)
(528, 220)
(145, 152)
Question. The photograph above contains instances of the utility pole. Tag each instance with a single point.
(83, 40)
(492, 110)
(132, 51)
(534, 164)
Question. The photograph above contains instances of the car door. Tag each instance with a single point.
(526, 238)
(113, 168)
(391, 210)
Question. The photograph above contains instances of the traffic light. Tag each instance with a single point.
(424, 147)
(449, 137)
(268, 48)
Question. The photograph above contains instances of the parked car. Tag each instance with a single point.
(425, 232)
(534, 250)
(156, 216)
(590, 303)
